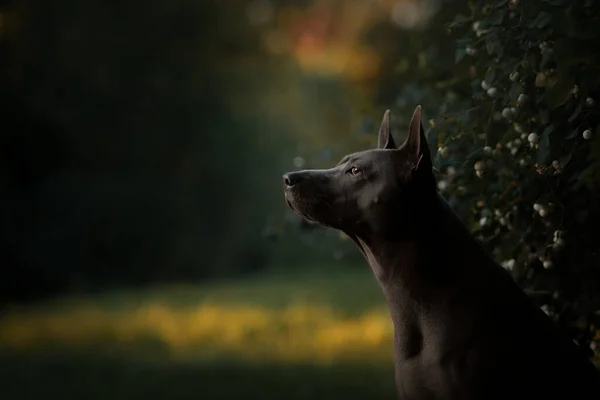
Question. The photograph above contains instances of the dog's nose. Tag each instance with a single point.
(292, 178)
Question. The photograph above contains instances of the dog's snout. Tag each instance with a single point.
(292, 178)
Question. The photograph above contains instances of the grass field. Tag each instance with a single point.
(316, 335)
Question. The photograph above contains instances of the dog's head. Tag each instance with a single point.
(369, 192)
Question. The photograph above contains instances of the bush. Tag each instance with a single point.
(518, 147)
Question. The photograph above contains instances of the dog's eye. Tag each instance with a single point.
(355, 171)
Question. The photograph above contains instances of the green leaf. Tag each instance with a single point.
(515, 90)
(459, 55)
(595, 145)
(548, 130)
(540, 79)
(564, 50)
(497, 18)
(542, 20)
(544, 116)
(463, 42)
(462, 18)
(575, 113)
(581, 28)
(531, 61)
(493, 46)
(547, 58)
(490, 74)
(574, 133)
(582, 216)
(474, 154)
(403, 66)
(543, 153)
(556, 95)
(564, 160)
(459, 20)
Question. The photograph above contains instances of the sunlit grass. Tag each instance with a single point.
(290, 326)
(298, 333)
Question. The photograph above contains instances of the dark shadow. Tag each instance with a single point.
(83, 377)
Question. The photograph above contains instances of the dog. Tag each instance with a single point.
(463, 328)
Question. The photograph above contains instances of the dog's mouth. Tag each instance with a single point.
(299, 206)
(304, 209)
(295, 204)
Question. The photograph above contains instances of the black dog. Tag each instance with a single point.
(463, 329)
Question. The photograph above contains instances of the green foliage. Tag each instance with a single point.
(517, 133)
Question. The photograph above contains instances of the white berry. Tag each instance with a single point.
(545, 309)
(558, 244)
(470, 50)
(589, 101)
(492, 92)
(442, 185)
(506, 113)
(587, 134)
(513, 76)
(509, 264)
(485, 85)
(487, 149)
(522, 98)
(543, 212)
(533, 138)
(537, 206)
(548, 264)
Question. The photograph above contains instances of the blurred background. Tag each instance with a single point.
(146, 249)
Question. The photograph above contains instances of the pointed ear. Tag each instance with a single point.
(386, 141)
(416, 143)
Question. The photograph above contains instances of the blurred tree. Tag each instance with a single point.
(126, 162)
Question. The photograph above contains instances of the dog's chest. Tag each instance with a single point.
(441, 352)
(462, 375)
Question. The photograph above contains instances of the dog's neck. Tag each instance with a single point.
(423, 254)
(419, 272)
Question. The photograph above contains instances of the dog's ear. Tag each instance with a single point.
(386, 141)
(416, 143)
